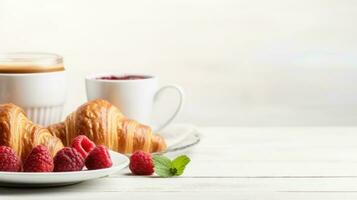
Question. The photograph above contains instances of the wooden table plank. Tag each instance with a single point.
(203, 185)
(254, 195)
(233, 187)
(313, 151)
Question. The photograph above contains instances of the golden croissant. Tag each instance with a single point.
(104, 124)
(22, 135)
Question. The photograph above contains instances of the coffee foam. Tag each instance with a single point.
(28, 68)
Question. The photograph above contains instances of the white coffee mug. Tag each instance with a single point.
(134, 97)
(36, 82)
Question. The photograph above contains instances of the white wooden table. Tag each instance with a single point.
(238, 163)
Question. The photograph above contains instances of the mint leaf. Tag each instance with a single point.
(178, 165)
(163, 172)
(162, 165)
(161, 161)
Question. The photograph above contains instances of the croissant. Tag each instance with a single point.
(104, 124)
(22, 135)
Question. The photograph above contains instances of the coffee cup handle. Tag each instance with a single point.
(180, 92)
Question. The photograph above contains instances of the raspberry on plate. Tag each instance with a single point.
(98, 158)
(141, 163)
(68, 159)
(39, 160)
(8, 160)
(83, 145)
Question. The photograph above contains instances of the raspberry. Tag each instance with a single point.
(98, 158)
(141, 163)
(9, 160)
(68, 159)
(83, 145)
(39, 160)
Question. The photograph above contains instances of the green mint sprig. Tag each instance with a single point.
(164, 167)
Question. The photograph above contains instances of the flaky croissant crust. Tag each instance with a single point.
(22, 135)
(103, 123)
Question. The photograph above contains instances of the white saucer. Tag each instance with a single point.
(25, 179)
(180, 137)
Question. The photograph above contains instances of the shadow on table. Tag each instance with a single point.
(47, 190)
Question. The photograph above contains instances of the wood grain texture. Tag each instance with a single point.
(239, 163)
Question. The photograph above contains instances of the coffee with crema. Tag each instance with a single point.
(16, 68)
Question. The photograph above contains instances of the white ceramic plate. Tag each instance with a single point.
(180, 137)
(25, 179)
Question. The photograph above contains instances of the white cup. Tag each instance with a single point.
(135, 98)
(40, 93)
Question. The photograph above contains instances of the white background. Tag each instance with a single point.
(241, 62)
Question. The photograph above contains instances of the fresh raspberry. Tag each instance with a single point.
(98, 158)
(141, 163)
(68, 159)
(83, 145)
(39, 160)
(8, 160)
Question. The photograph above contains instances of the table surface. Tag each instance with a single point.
(238, 163)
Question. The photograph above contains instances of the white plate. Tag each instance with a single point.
(177, 136)
(25, 179)
(175, 133)
(180, 136)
